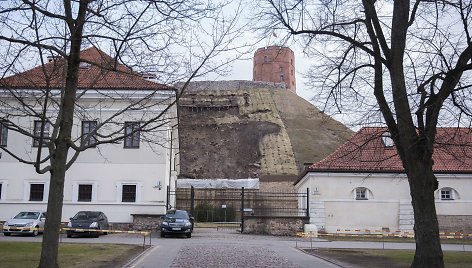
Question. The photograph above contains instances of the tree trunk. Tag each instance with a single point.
(50, 245)
(49, 252)
(423, 183)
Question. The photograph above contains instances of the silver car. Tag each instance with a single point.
(26, 222)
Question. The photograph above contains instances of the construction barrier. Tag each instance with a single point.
(380, 233)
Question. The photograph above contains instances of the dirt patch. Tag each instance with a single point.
(223, 150)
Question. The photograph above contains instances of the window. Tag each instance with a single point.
(3, 134)
(128, 193)
(85, 193)
(266, 59)
(36, 192)
(1, 191)
(132, 129)
(281, 69)
(387, 139)
(361, 193)
(447, 194)
(37, 133)
(282, 78)
(87, 128)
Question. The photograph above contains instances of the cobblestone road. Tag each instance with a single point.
(226, 249)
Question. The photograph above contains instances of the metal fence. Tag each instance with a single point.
(232, 205)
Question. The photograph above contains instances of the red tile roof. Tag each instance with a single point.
(101, 74)
(365, 152)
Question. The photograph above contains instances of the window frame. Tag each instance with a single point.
(131, 200)
(387, 140)
(89, 194)
(30, 195)
(3, 134)
(442, 194)
(37, 133)
(119, 191)
(361, 193)
(1, 189)
(91, 126)
(130, 140)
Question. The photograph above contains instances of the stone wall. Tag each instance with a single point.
(146, 222)
(279, 226)
(455, 223)
(230, 85)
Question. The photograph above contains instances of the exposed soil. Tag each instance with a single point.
(221, 134)
(211, 150)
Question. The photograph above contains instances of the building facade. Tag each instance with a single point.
(361, 187)
(121, 177)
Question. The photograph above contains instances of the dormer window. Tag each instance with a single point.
(84, 65)
(387, 139)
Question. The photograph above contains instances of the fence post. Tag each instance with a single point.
(308, 202)
(242, 209)
(192, 201)
(168, 197)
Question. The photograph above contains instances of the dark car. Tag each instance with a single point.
(84, 221)
(176, 222)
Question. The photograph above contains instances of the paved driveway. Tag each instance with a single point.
(209, 248)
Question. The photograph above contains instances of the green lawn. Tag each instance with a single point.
(27, 254)
(373, 258)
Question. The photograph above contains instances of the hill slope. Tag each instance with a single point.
(244, 129)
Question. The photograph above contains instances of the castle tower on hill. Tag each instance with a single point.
(275, 64)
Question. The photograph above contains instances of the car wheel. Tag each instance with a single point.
(36, 231)
(189, 235)
(95, 234)
(6, 234)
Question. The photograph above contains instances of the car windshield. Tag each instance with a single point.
(84, 216)
(177, 214)
(27, 215)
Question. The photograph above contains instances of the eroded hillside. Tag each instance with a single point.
(238, 130)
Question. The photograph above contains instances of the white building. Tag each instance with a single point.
(121, 179)
(362, 187)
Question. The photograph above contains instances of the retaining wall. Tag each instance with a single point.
(279, 226)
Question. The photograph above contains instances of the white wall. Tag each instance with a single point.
(106, 167)
(334, 207)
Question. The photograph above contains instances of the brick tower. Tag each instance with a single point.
(275, 64)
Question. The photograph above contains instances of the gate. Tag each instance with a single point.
(227, 208)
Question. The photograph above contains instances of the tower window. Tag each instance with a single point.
(281, 69)
(266, 59)
(282, 78)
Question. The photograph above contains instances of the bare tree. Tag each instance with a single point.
(409, 61)
(173, 40)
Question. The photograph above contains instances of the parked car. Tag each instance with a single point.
(176, 222)
(26, 222)
(83, 221)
